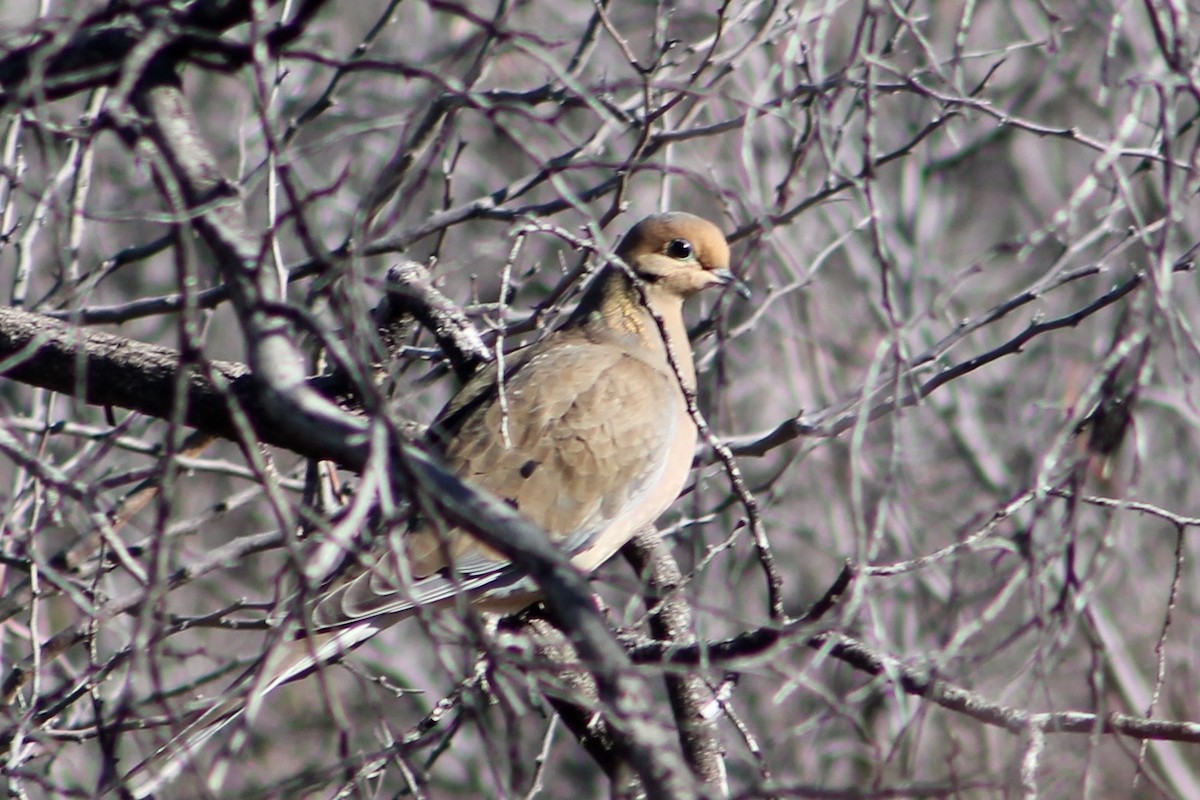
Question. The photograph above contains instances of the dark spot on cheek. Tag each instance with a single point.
(528, 467)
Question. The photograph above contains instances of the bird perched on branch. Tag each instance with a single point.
(586, 432)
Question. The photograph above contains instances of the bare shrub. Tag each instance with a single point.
(956, 417)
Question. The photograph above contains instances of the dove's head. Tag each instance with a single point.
(677, 253)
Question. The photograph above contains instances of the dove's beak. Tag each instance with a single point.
(726, 277)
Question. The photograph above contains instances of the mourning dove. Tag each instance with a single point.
(588, 435)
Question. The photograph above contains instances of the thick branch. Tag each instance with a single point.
(95, 55)
(671, 621)
(410, 292)
(574, 697)
(110, 370)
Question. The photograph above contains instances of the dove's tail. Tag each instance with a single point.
(285, 662)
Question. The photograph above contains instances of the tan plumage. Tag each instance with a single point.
(592, 441)
(598, 440)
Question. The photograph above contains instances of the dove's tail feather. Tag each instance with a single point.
(285, 662)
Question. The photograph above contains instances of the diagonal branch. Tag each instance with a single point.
(837, 420)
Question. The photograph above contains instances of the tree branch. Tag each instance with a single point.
(95, 55)
(671, 621)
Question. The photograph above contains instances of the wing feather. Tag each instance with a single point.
(581, 435)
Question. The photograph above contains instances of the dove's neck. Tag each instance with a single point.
(613, 305)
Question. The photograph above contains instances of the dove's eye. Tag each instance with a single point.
(680, 249)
